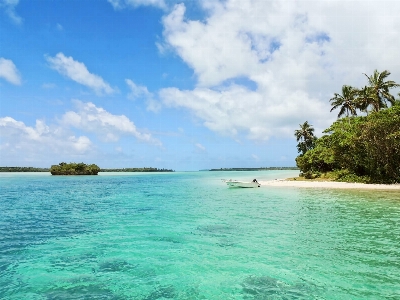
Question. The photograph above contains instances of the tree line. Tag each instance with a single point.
(363, 145)
(255, 169)
(146, 169)
(75, 168)
(23, 169)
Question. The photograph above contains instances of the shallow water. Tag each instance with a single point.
(187, 236)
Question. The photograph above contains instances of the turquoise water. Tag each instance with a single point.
(187, 236)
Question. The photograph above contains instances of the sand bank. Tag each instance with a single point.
(329, 184)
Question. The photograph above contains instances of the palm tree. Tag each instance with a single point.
(346, 101)
(380, 89)
(305, 137)
(365, 99)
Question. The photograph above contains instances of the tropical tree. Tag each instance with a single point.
(346, 101)
(364, 99)
(379, 90)
(363, 149)
(319, 159)
(306, 138)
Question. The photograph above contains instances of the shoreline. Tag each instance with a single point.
(329, 185)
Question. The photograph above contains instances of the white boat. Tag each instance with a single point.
(242, 184)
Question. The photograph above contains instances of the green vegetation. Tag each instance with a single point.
(23, 169)
(74, 169)
(305, 137)
(136, 170)
(356, 148)
(255, 169)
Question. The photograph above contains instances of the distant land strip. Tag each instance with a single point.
(137, 170)
(255, 169)
(23, 169)
(32, 169)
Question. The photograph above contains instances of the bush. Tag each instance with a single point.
(311, 175)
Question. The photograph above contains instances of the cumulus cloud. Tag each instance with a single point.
(9, 71)
(20, 140)
(90, 118)
(258, 114)
(9, 7)
(78, 72)
(119, 4)
(292, 55)
(140, 91)
(137, 91)
(42, 142)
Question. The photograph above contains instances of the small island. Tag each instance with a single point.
(74, 169)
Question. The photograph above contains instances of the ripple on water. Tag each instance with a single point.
(266, 287)
(186, 236)
(89, 291)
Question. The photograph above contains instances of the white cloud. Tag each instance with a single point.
(137, 91)
(200, 146)
(259, 114)
(295, 53)
(78, 72)
(140, 91)
(45, 143)
(18, 139)
(9, 6)
(120, 4)
(90, 118)
(9, 71)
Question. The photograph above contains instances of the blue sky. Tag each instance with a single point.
(185, 85)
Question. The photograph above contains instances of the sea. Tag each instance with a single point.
(186, 235)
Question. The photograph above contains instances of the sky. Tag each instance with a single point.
(182, 85)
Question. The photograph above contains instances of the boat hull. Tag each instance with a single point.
(241, 184)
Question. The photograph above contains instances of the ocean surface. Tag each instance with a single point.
(185, 235)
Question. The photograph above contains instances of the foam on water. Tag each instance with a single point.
(188, 236)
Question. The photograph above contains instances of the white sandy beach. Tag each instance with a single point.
(329, 184)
